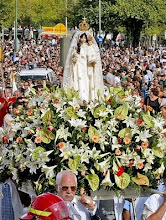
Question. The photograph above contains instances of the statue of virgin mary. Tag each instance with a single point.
(83, 69)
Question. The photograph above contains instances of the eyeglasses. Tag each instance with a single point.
(65, 188)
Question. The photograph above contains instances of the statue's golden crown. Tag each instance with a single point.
(84, 26)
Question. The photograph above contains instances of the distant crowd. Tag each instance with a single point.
(141, 71)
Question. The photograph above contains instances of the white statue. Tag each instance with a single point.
(83, 69)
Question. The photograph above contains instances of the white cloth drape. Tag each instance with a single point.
(81, 75)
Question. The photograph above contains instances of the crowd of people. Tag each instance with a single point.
(141, 71)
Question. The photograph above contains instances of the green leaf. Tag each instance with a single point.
(74, 163)
(93, 180)
(47, 117)
(121, 112)
(71, 113)
(126, 132)
(36, 152)
(46, 136)
(92, 132)
(122, 181)
(97, 111)
(148, 119)
(141, 180)
(52, 182)
(71, 93)
(158, 152)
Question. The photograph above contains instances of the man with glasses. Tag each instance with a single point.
(79, 207)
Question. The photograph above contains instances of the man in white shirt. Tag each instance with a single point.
(79, 207)
(155, 205)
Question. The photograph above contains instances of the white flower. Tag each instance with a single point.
(143, 136)
(62, 133)
(130, 121)
(74, 103)
(32, 167)
(162, 143)
(14, 174)
(160, 170)
(49, 171)
(67, 151)
(113, 124)
(77, 123)
(148, 155)
(81, 114)
(103, 166)
(147, 167)
(44, 156)
(107, 181)
(158, 122)
(98, 123)
(115, 143)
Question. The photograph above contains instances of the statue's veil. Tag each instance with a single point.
(68, 70)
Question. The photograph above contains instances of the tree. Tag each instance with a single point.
(90, 9)
(7, 13)
(40, 12)
(137, 15)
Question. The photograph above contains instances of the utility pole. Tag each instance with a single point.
(1, 64)
(66, 18)
(15, 32)
(100, 21)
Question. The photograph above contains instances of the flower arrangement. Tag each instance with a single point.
(110, 143)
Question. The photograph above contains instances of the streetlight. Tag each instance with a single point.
(99, 17)
(15, 30)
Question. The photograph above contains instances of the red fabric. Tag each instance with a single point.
(2, 111)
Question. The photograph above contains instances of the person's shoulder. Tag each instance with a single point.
(153, 198)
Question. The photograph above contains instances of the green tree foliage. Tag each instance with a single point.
(138, 15)
(135, 16)
(90, 9)
(7, 13)
(32, 12)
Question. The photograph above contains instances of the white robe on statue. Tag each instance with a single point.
(91, 73)
(80, 72)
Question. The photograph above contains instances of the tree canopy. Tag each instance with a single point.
(133, 16)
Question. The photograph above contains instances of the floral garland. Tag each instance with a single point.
(111, 142)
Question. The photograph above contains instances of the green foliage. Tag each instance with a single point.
(131, 16)
(7, 13)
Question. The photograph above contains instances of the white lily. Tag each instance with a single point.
(44, 155)
(115, 143)
(62, 133)
(160, 170)
(104, 165)
(77, 123)
(130, 121)
(143, 136)
(147, 167)
(107, 181)
(74, 103)
(49, 171)
(81, 114)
